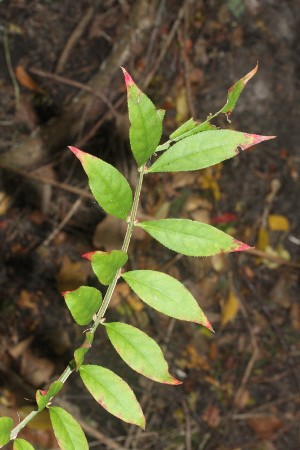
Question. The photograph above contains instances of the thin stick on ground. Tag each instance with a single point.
(73, 38)
(76, 84)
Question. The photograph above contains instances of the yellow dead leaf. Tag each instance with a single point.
(278, 223)
(230, 309)
(279, 252)
(135, 303)
(40, 422)
(209, 180)
(182, 109)
(72, 274)
(263, 239)
(218, 262)
(4, 203)
(194, 360)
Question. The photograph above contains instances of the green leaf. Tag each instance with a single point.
(146, 122)
(166, 294)
(83, 303)
(106, 264)
(204, 150)
(191, 238)
(109, 187)
(6, 425)
(189, 125)
(113, 394)
(184, 131)
(139, 351)
(21, 444)
(67, 430)
(188, 128)
(80, 352)
(236, 90)
(44, 396)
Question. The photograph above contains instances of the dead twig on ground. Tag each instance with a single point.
(57, 184)
(254, 343)
(10, 69)
(73, 38)
(188, 438)
(275, 328)
(65, 220)
(76, 84)
(277, 259)
(153, 38)
(165, 47)
(186, 66)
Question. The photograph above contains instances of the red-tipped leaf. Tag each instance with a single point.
(109, 187)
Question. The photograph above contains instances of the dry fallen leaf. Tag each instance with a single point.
(182, 108)
(18, 349)
(264, 426)
(278, 223)
(229, 309)
(25, 80)
(218, 262)
(135, 303)
(295, 316)
(28, 300)
(212, 416)
(4, 203)
(121, 292)
(37, 371)
(279, 252)
(72, 274)
(263, 239)
(194, 360)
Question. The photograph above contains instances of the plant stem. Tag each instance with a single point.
(110, 290)
(125, 246)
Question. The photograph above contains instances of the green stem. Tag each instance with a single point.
(125, 246)
(110, 290)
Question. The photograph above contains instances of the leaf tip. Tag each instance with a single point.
(64, 293)
(208, 325)
(173, 381)
(128, 80)
(78, 153)
(253, 139)
(88, 255)
(250, 75)
(241, 247)
(142, 423)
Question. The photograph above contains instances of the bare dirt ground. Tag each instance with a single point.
(61, 85)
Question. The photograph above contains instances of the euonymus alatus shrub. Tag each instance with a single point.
(192, 146)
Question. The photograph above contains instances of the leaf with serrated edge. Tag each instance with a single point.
(184, 128)
(146, 122)
(83, 303)
(112, 393)
(109, 187)
(67, 430)
(140, 352)
(191, 238)
(166, 294)
(235, 91)
(106, 264)
(6, 425)
(43, 396)
(191, 127)
(21, 444)
(204, 150)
